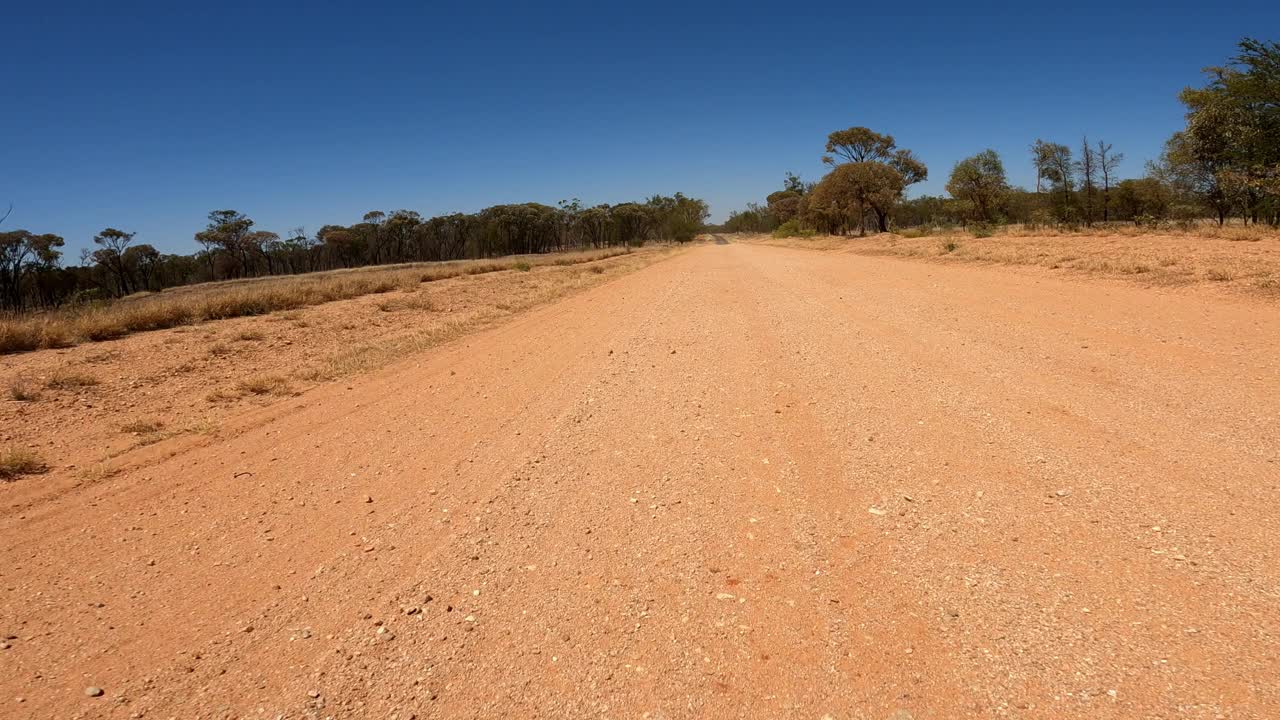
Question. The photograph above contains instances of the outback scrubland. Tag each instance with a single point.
(1004, 453)
(1224, 166)
(78, 407)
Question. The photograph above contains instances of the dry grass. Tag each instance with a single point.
(1241, 258)
(407, 301)
(16, 462)
(70, 380)
(24, 391)
(265, 385)
(143, 426)
(215, 301)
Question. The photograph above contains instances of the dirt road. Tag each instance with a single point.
(742, 482)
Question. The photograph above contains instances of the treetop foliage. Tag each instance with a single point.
(1225, 162)
(231, 247)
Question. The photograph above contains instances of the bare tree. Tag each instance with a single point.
(1087, 166)
(1108, 163)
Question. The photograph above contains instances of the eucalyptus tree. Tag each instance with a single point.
(979, 183)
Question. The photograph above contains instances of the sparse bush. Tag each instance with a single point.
(982, 230)
(250, 335)
(23, 391)
(19, 336)
(1219, 275)
(522, 266)
(791, 228)
(142, 427)
(70, 380)
(16, 462)
(265, 385)
(915, 232)
(950, 246)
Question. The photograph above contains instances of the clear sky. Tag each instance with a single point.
(145, 116)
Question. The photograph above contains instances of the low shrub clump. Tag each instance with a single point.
(16, 462)
(70, 380)
(791, 228)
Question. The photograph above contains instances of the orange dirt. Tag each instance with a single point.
(743, 482)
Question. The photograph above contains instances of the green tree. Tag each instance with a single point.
(225, 234)
(1233, 128)
(1143, 200)
(979, 183)
(21, 252)
(111, 256)
(858, 145)
(853, 190)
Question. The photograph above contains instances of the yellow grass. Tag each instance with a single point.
(16, 462)
(1243, 258)
(258, 296)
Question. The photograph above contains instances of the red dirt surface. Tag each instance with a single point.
(741, 482)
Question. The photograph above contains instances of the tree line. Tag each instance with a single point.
(1224, 164)
(33, 276)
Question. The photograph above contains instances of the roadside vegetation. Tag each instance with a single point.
(77, 323)
(1212, 256)
(1223, 166)
(32, 276)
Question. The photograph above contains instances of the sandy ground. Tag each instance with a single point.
(187, 381)
(744, 481)
(1237, 261)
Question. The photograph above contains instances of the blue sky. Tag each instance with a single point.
(145, 116)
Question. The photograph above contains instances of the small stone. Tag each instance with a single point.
(876, 511)
(313, 694)
(1064, 492)
(93, 691)
(412, 610)
(368, 498)
(246, 629)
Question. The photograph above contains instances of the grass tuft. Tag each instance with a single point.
(24, 391)
(142, 427)
(16, 462)
(70, 380)
(265, 385)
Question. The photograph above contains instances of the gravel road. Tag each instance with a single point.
(742, 482)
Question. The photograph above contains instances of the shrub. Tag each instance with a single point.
(791, 228)
(266, 385)
(22, 391)
(142, 427)
(982, 230)
(523, 266)
(16, 462)
(69, 379)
